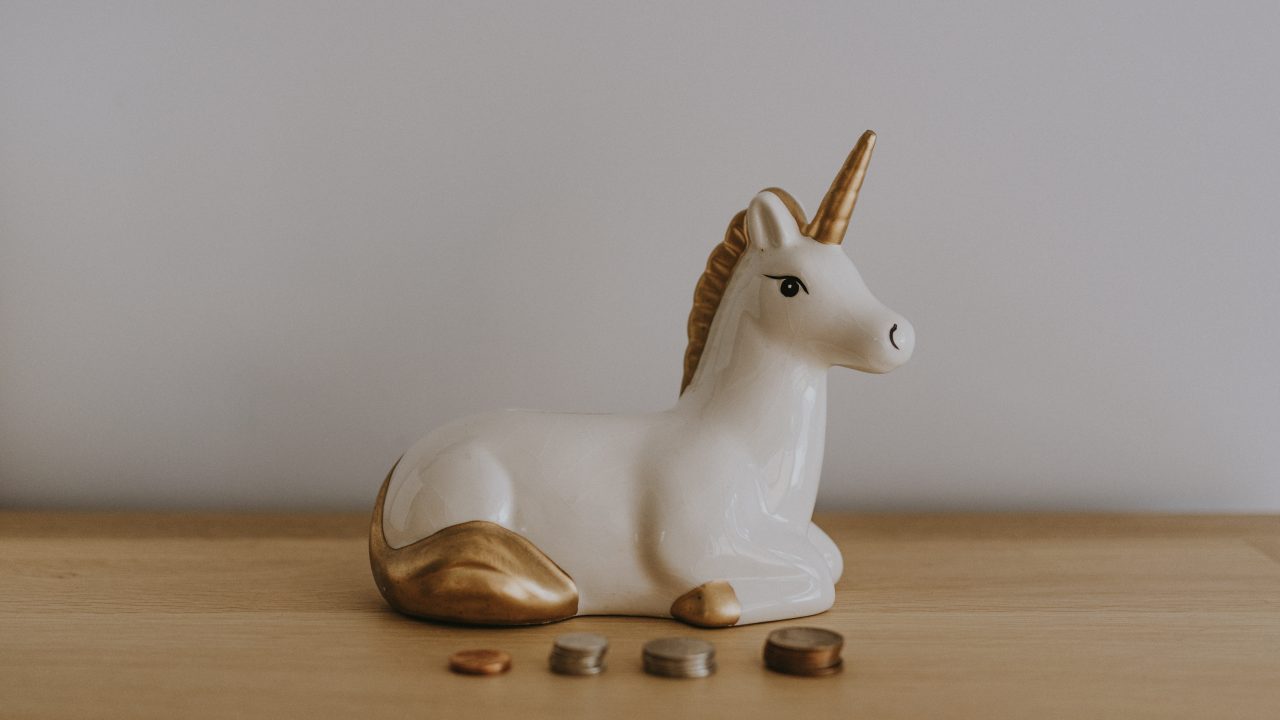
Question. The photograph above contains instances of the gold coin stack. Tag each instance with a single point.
(578, 654)
(679, 657)
(804, 651)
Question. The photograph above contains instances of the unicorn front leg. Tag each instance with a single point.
(737, 566)
(715, 545)
(775, 575)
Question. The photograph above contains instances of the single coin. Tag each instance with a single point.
(582, 643)
(678, 648)
(806, 639)
(480, 662)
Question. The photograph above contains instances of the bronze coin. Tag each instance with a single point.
(804, 651)
(806, 639)
(480, 662)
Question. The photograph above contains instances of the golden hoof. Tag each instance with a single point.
(474, 572)
(711, 604)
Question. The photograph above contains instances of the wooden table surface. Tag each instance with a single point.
(944, 616)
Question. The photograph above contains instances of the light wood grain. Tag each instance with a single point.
(982, 616)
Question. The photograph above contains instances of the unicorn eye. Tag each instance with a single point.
(789, 285)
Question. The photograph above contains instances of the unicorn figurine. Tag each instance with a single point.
(702, 512)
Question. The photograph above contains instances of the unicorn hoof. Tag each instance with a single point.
(711, 604)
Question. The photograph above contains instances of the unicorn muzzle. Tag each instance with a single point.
(879, 344)
(902, 338)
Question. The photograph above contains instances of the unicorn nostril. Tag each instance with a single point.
(893, 342)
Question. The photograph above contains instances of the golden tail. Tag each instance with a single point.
(474, 572)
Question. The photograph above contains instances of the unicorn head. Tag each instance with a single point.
(793, 280)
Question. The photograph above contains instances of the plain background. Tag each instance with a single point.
(250, 252)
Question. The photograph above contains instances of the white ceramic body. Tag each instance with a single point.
(639, 509)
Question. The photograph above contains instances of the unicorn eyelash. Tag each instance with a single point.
(785, 278)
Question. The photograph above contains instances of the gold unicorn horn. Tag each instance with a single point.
(832, 218)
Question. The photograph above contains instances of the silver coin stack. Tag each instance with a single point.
(578, 654)
(679, 657)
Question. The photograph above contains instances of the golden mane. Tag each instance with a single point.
(715, 278)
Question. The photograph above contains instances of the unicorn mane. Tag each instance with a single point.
(715, 278)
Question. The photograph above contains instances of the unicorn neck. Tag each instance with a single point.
(770, 400)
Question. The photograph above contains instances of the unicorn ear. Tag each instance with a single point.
(770, 224)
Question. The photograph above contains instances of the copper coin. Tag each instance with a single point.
(806, 639)
(804, 651)
(480, 662)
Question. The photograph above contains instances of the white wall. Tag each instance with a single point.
(250, 252)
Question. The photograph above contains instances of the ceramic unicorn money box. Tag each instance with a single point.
(702, 512)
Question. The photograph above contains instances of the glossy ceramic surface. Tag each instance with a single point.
(640, 509)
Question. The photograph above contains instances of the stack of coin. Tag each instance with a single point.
(803, 651)
(679, 657)
(480, 662)
(578, 654)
